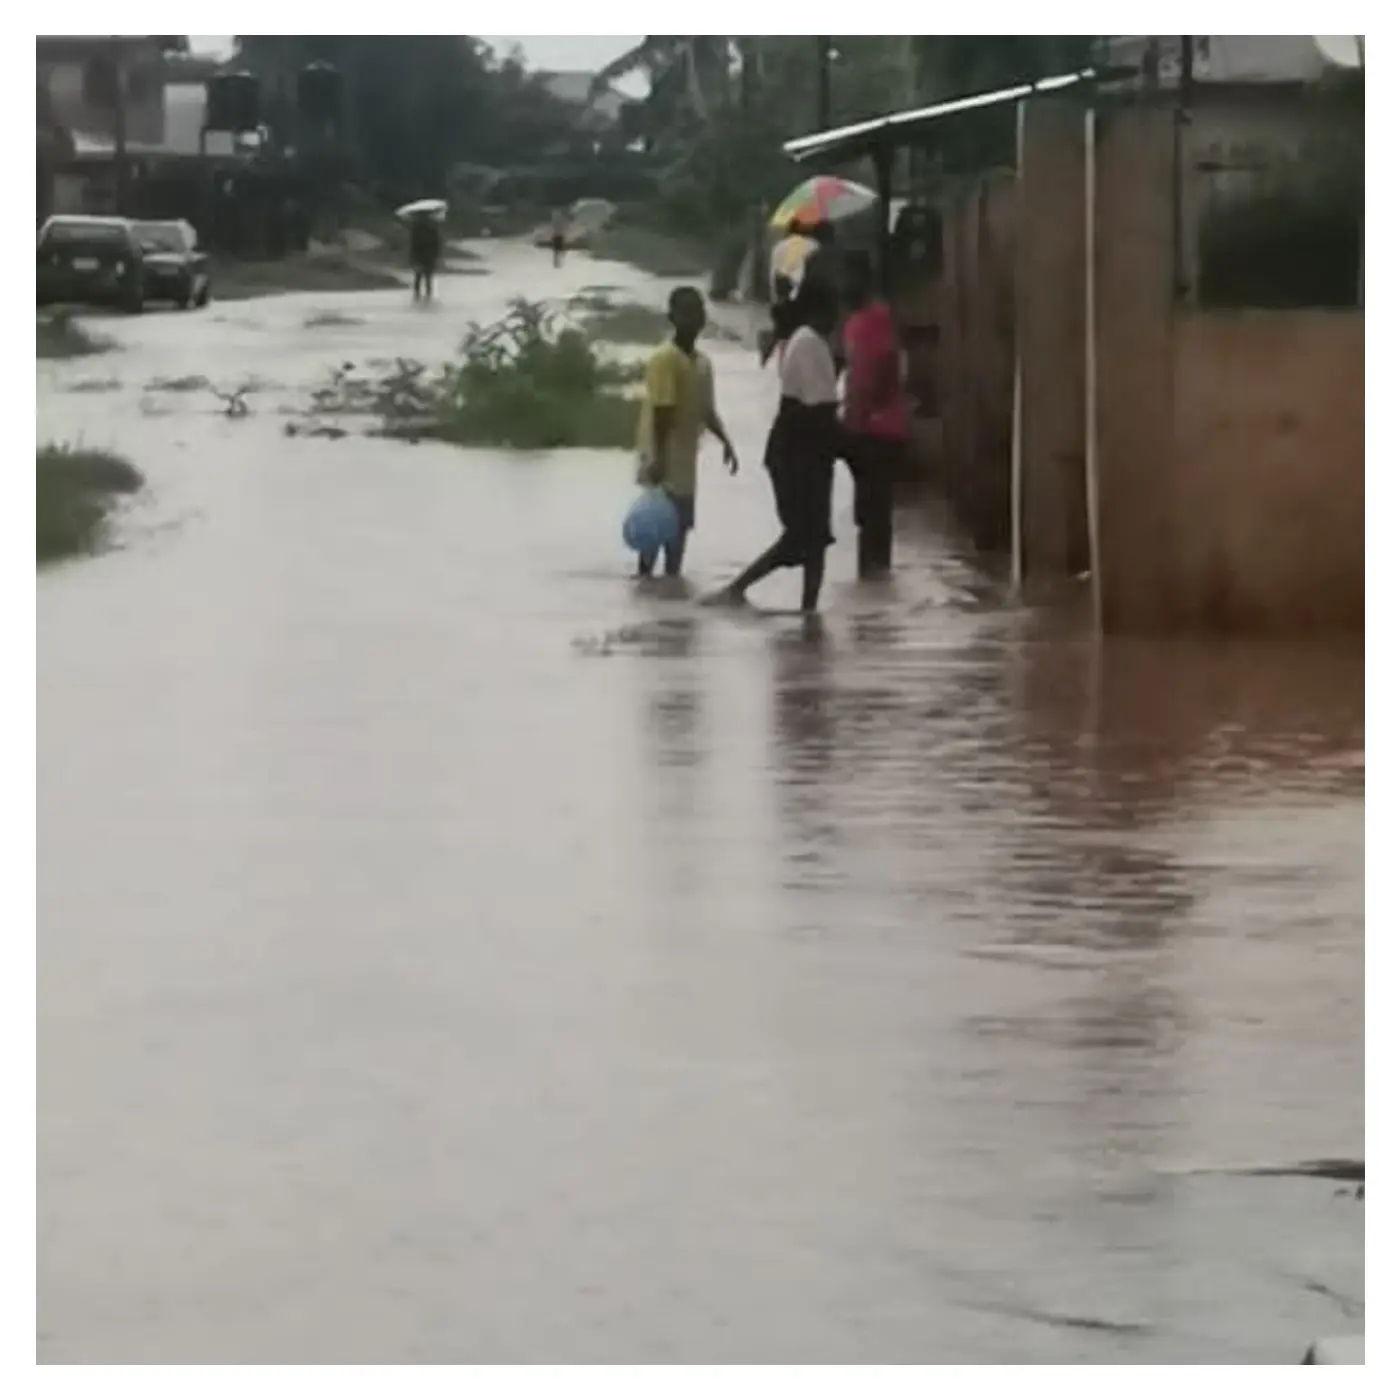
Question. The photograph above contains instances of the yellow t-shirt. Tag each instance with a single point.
(685, 383)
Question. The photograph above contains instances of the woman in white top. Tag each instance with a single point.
(801, 449)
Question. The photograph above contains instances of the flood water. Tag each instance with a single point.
(449, 953)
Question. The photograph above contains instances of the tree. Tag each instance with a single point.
(688, 81)
(415, 105)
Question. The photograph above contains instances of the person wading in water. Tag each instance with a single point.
(801, 450)
(424, 247)
(558, 235)
(678, 406)
(875, 417)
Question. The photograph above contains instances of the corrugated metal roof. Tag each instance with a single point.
(861, 136)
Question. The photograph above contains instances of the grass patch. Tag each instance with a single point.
(522, 382)
(60, 337)
(75, 490)
(94, 386)
(661, 254)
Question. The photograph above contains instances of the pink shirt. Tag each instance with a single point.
(874, 391)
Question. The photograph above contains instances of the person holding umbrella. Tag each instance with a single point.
(424, 249)
(809, 215)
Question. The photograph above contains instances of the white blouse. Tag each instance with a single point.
(807, 372)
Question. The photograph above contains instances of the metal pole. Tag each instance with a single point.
(1091, 368)
(1017, 405)
(884, 186)
(119, 123)
(1361, 267)
(1183, 239)
(754, 232)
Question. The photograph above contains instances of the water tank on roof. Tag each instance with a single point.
(232, 102)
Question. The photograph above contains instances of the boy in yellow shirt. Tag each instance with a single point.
(678, 406)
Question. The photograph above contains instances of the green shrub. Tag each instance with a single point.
(522, 381)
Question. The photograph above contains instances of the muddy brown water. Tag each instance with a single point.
(448, 953)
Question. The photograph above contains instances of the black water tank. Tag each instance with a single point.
(231, 102)
(320, 89)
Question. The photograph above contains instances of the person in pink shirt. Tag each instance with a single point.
(875, 416)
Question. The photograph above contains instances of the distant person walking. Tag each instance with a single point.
(875, 416)
(678, 406)
(424, 248)
(559, 235)
(801, 450)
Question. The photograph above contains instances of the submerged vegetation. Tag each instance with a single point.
(524, 381)
(75, 490)
(621, 323)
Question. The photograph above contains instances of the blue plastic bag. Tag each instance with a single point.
(652, 523)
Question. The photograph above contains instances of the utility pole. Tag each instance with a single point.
(119, 120)
(753, 218)
(823, 83)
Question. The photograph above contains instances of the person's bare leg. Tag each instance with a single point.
(675, 555)
(813, 571)
(770, 561)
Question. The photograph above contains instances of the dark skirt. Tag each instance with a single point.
(800, 454)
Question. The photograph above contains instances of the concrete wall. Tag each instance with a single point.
(1050, 339)
(1231, 446)
(1269, 469)
(1133, 262)
(976, 356)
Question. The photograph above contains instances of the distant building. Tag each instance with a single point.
(595, 112)
(83, 75)
(1236, 58)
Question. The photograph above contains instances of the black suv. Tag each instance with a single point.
(93, 260)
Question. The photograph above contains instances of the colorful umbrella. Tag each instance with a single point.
(822, 197)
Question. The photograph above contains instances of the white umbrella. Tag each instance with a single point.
(433, 208)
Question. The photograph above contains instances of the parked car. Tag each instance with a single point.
(175, 268)
(89, 259)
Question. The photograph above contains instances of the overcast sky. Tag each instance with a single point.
(583, 51)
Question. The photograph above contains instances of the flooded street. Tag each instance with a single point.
(449, 953)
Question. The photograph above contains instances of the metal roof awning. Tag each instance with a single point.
(861, 137)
